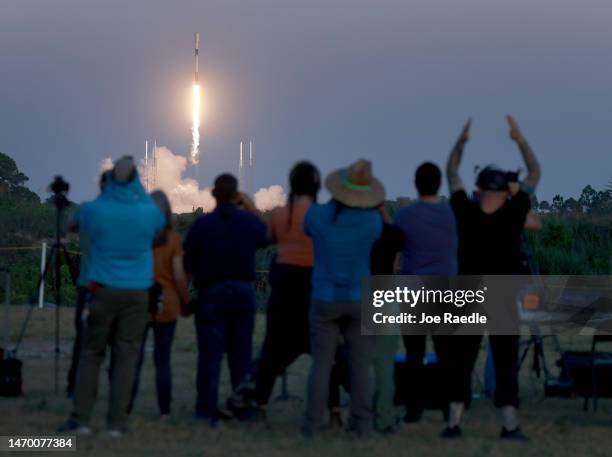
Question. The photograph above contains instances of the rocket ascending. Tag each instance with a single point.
(197, 48)
(195, 125)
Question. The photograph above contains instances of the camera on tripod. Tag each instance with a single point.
(60, 189)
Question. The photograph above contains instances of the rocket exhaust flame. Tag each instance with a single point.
(195, 125)
(195, 114)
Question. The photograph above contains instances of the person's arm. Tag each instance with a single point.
(180, 279)
(272, 229)
(308, 222)
(533, 167)
(189, 248)
(246, 203)
(452, 167)
(533, 223)
(384, 214)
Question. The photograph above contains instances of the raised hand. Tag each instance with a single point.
(515, 131)
(452, 166)
(465, 133)
(533, 167)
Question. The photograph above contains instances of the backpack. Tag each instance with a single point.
(10, 375)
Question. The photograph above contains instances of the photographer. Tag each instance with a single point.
(121, 225)
(490, 243)
(82, 292)
(220, 255)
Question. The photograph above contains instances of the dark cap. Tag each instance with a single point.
(491, 178)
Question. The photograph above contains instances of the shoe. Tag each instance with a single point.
(74, 426)
(164, 418)
(114, 433)
(451, 432)
(411, 418)
(247, 414)
(513, 435)
(335, 419)
(307, 432)
(359, 429)
(262, 416)
(390, 430)
(216, 424)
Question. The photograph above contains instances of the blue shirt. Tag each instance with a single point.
(220, 246)
(430, 239)
(121, 225)
(341, 250)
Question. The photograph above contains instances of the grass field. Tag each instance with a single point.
(557, 427)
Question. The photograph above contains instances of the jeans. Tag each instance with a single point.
(117, 318)
(163, 336)
(224, 322)
(327, 322)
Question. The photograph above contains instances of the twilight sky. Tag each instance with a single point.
(327, 80)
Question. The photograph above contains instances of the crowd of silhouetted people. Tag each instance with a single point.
(137, 274)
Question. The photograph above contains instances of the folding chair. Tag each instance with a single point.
(598, 361)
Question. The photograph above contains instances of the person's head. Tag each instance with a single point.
(225, 189)
(356, 186)
(304, 179)
(493, 189)
(162, 202)
(427, 179)
(124, 171)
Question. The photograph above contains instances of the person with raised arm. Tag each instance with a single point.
(489, 228)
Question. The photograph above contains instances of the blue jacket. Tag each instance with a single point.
(342, 250)
(121, 225)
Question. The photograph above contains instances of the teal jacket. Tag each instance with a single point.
(121, 225)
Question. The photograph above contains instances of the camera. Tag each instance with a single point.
(513, 176)
(60, 189)
(491, 178)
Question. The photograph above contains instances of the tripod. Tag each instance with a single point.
(59, 188)
(539, 359)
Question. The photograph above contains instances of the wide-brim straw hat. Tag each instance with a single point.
(356, 186)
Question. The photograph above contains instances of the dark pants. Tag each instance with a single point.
(117, 318)
(163, 336)
(415, 371)
(224, 322)
(459, 354)
(505, 349)
(286, 326)
(82, 294)
(287, 333)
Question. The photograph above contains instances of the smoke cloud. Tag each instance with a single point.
(269, 198)
(185, 194)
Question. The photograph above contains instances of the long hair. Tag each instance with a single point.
(304, 180)
(338, 207)
(162, 202)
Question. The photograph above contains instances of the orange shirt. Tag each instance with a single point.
(164, 275)
(294, 247)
